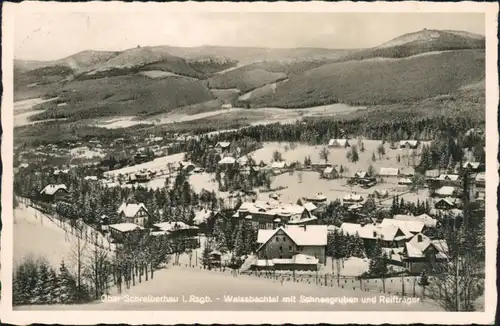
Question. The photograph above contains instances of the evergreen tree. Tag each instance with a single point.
(66, 285)
(42, 287)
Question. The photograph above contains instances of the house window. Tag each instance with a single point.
(281, 248)
(289, 247)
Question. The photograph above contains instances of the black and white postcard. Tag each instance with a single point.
(249, 162)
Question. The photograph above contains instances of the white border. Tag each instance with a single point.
(248, 317)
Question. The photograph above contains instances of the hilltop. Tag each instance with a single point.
(157, 79)
(423, 41)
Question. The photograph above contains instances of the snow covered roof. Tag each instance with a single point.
(426, 219)
(125, 227)
(243, 160)
(227, 160)
(332, 228)
(271, 208)
(432, 173)
(278, 165)
(450, 177)
(446, 191)
(318, 197)
(298, 219)
(91, 178)
(389, 172)
(174, 226)
(404, 181)
(57, 172)
(416, 247)
(310, 206)
(481, 177)
(328, 169)
(448, 200)
(405, 225)
(412, 143)
(131, 210)
(339, 142)
(201, 216)
(360, 174)
(473, 165)
(223, 144)
(52, 189)
(353, 197)
(370, 231)
(312, 235)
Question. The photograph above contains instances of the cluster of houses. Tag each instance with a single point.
(134, 216)
(344, 143)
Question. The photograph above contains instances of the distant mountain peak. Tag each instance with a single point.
(430, 35)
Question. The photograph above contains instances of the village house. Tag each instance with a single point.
(448, 180)
(447, 191)
(338, 143)
(330, 172)
(133, 213)
(293, 247)
(472, 166)
(278, 167)
(352, 199)
(409, 144)
(447, 203)
(120, 230)
(432, 174)
(54, 193)
(228, 160)
(243, 161)
(405, 182)
(407, 226)
(422, 254)
(480, 180)
(310, 206)
(63, 171)
(222, 147)
(380, 193)
(428, 221)
(269, 215)
(318, 199)
(388, 173)
(360, 174)
(178, 230)
(389, 236)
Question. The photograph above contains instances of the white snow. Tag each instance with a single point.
(35, 234)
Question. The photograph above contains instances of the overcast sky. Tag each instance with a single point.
(54, 35)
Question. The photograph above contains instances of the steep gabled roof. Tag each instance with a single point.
(52, 189)
(312, 235)
(131, 210)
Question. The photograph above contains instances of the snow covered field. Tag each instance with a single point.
(154, 165)
(213, 288)
(337, 155)
(23, 110)
(332, 189)
(36, 235)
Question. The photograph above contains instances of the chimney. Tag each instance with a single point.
(419, 238)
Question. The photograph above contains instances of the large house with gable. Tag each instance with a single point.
(54, 192)
(133, 213)
(289, 247)
(272, 214)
